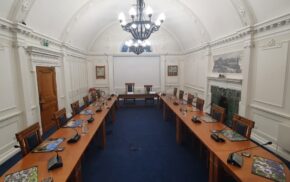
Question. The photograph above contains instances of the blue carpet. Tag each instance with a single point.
(9, 163)
(142, 147)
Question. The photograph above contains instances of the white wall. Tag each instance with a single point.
(139, 70)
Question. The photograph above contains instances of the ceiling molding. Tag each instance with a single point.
(74, 18)
(195, 17)
(20, 9)
(245, 12)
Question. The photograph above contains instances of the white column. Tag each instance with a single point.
(207, 93)
(24, 77)
(246, 71)
(162, 73)
(110, 60)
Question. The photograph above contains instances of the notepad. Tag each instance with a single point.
(207, 119)
(233, 136)
(73, 124)
(269, 169)
(30, 175)
(87, 112)
(49, 145)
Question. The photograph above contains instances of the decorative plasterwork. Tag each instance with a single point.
(20, 10)
(44, 56)
(245, 13)
(253, 30)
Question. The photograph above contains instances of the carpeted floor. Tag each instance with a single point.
(142, 147)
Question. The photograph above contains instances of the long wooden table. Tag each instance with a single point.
(138, 96)
(218, 152)
(72, 154)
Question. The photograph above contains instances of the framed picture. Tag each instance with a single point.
(172, 70)
(100, 72)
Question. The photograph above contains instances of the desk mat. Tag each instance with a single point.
(87, 112)
(269, 169)
(49, 145)
(73, 124)
(207, 119)
(233, 136)
(26, 175)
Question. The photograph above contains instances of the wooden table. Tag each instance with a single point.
(218, 152)
(138, 96)
(72, 154)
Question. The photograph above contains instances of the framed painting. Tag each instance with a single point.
(172, 70)
(100, 72)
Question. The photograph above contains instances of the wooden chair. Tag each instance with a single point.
(181, 93)
(218, 113)
(242, 125)
(75, 106)
(148, 89)
(60, 117)
(130, 89)
(199, 104)
(190, 98)
(175, 92)
(86, 100)
(29, 138)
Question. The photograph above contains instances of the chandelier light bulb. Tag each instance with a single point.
(132, 12)
(158, 22)
(162, 17)
(134, 25)
(121, 17)
(147, 42)
(147, 26)
(149, 11)
(123, 23)
(136, 44)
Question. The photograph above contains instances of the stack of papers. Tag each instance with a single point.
(73, 124)
(87, 112)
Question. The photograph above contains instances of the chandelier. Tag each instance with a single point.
(141, 25)
(138, 46)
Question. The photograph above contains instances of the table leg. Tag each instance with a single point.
(103, 133)
(178, 131)
(213, 168)
(164, 112)
(113, 112)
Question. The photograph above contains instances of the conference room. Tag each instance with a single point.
(144, 90)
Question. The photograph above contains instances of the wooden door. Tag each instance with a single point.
(47, 96)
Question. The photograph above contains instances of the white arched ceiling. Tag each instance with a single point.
(181, 22)
(5, 7)
(51, 16)
(191, 21)
(113, 38)
(265, 10)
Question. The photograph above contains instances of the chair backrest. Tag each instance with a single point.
(181, 93)
(60, 117)
(148, 88)
(75, 106)
(29, 138)
(175, 92)
(199, 104)
(242, 125)
(86, 100)
(190, 98)
(218, 113)
(129, 87)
